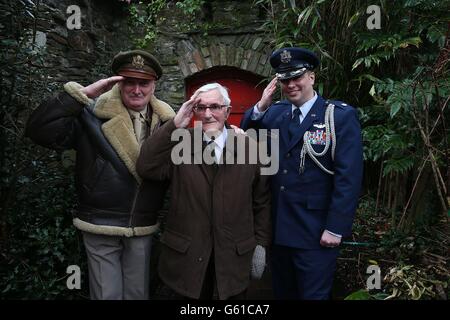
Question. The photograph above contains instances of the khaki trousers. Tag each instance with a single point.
(119, 267)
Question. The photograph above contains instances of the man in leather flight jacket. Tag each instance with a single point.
(105, 123)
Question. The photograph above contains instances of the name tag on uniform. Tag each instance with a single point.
(317, 137)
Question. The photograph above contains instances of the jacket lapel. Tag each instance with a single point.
(197, 156)
(284, 127)
(118, 129)
(161, 113)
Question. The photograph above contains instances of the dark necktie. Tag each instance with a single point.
(210, 150)
(294, 125)
(211, 147)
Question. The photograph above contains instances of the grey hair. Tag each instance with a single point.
(216, 86)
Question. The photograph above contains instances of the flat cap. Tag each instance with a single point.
(136, 64)
(293, 62)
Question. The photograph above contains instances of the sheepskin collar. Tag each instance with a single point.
(109, 105)
(118, 129)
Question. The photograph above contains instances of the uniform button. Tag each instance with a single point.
(288, 155)
(282, 188)
(200, 259)
(284, 171)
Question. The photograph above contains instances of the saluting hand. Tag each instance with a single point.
(101, 86)
(266, 98)
(185, 114)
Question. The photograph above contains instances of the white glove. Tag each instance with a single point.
(258, 262)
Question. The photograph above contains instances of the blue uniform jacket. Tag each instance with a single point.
(304, 205)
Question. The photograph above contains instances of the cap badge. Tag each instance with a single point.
(285, 56)
(138, 62)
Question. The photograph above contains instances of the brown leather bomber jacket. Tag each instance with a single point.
(112, 199)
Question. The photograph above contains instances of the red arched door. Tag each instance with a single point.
(245, 88)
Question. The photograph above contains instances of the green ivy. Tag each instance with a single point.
(144, 20)
(37, 239)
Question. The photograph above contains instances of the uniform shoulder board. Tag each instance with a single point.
(338, 104)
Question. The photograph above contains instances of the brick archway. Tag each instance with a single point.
(240, 62)
(246, 52)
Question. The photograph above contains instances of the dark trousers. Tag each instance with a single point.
(303, 274)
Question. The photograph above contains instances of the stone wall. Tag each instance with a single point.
(84, 55)
(80, 55)
(235, 42)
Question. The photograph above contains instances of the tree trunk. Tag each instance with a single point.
(417, 202)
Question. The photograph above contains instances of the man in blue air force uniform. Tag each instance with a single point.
(316, 189)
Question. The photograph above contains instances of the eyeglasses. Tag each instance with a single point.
(201, 108)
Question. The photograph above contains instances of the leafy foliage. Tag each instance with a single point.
(148, 19)
(409, 282)
(413, 264)
(37, 240)
(144, 19)
(190, 7)
(42, 241)
(398, 78)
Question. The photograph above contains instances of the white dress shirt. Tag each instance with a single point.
(219, 143)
